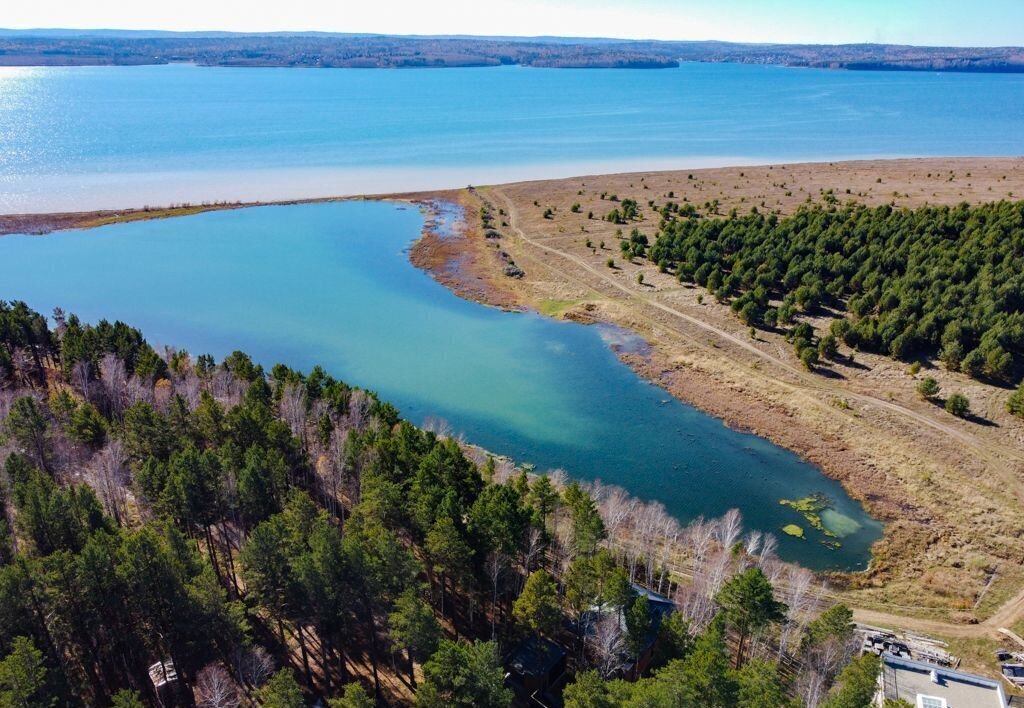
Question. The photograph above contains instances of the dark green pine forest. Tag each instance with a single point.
(942, 282)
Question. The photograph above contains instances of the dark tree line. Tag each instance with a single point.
(934, 281)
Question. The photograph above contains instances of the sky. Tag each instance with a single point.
(926, 22)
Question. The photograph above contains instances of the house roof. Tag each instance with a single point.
(908, 680)
(534, 656)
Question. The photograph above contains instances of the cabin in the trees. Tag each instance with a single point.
(534, 666)
(658, 607)
(171, 691)
(930, 686)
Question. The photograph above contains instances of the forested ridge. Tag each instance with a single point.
(325, 49)
(942, 281)
(273, 537)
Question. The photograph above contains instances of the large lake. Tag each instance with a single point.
(332, 284)
(89, 137)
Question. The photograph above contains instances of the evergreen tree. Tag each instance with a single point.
(544, 499)
(464, 675)
(638, 625)
(703, 678)
(126, 699)
(835, 623)
(748, 604)
(958, 405)
(28, 426)
(354, 696)
(282, 691)
(448, 554)
(1015, 403)
(87, 426)
(536, 609)
(673, 639)
(587, 527)
(588, 690)
(759, 686)
(498, 520)
(857, 684)
(414, 628)
(23, 676)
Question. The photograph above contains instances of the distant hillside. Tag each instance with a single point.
(312, 49)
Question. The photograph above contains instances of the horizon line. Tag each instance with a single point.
(154, 33)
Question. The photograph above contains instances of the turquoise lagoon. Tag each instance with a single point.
(331, 284)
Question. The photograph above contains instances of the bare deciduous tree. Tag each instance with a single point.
(615, 508)
(719, 569)
(495, 566)
(695, 603)
(254, 666)
(190, 388)
(359, 404)
(216, 689)
(533, 550)
(607, 642)
(82, 379)
(769, 544)
(752, 543)
(139, 390)
(810, 687)
(669, 532)
(700, 534)
(110, 478)
(729, 528)
(293, 410)
(163, 393)
(114, 377)
(504, 470)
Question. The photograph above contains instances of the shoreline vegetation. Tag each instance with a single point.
(328, 50)
(949, 565)
(270, 535)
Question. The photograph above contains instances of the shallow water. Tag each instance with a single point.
(332, 284)
(111, 137)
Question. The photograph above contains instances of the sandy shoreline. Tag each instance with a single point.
(901, 457)
(46, 194)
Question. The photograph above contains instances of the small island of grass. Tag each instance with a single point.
(793, 530)
(810, 508)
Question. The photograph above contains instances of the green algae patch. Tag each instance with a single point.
(811, 509)
(830, 544)
(793, 530)
(553, 307)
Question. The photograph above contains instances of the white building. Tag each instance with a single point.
(930, 686)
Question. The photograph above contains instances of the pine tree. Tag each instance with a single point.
(857, 684)
(354, 696)
(282, 691)
(759, 685)
(414, 628)
(748, 604)
(23, 676)
(468, 675)
(536, 609)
